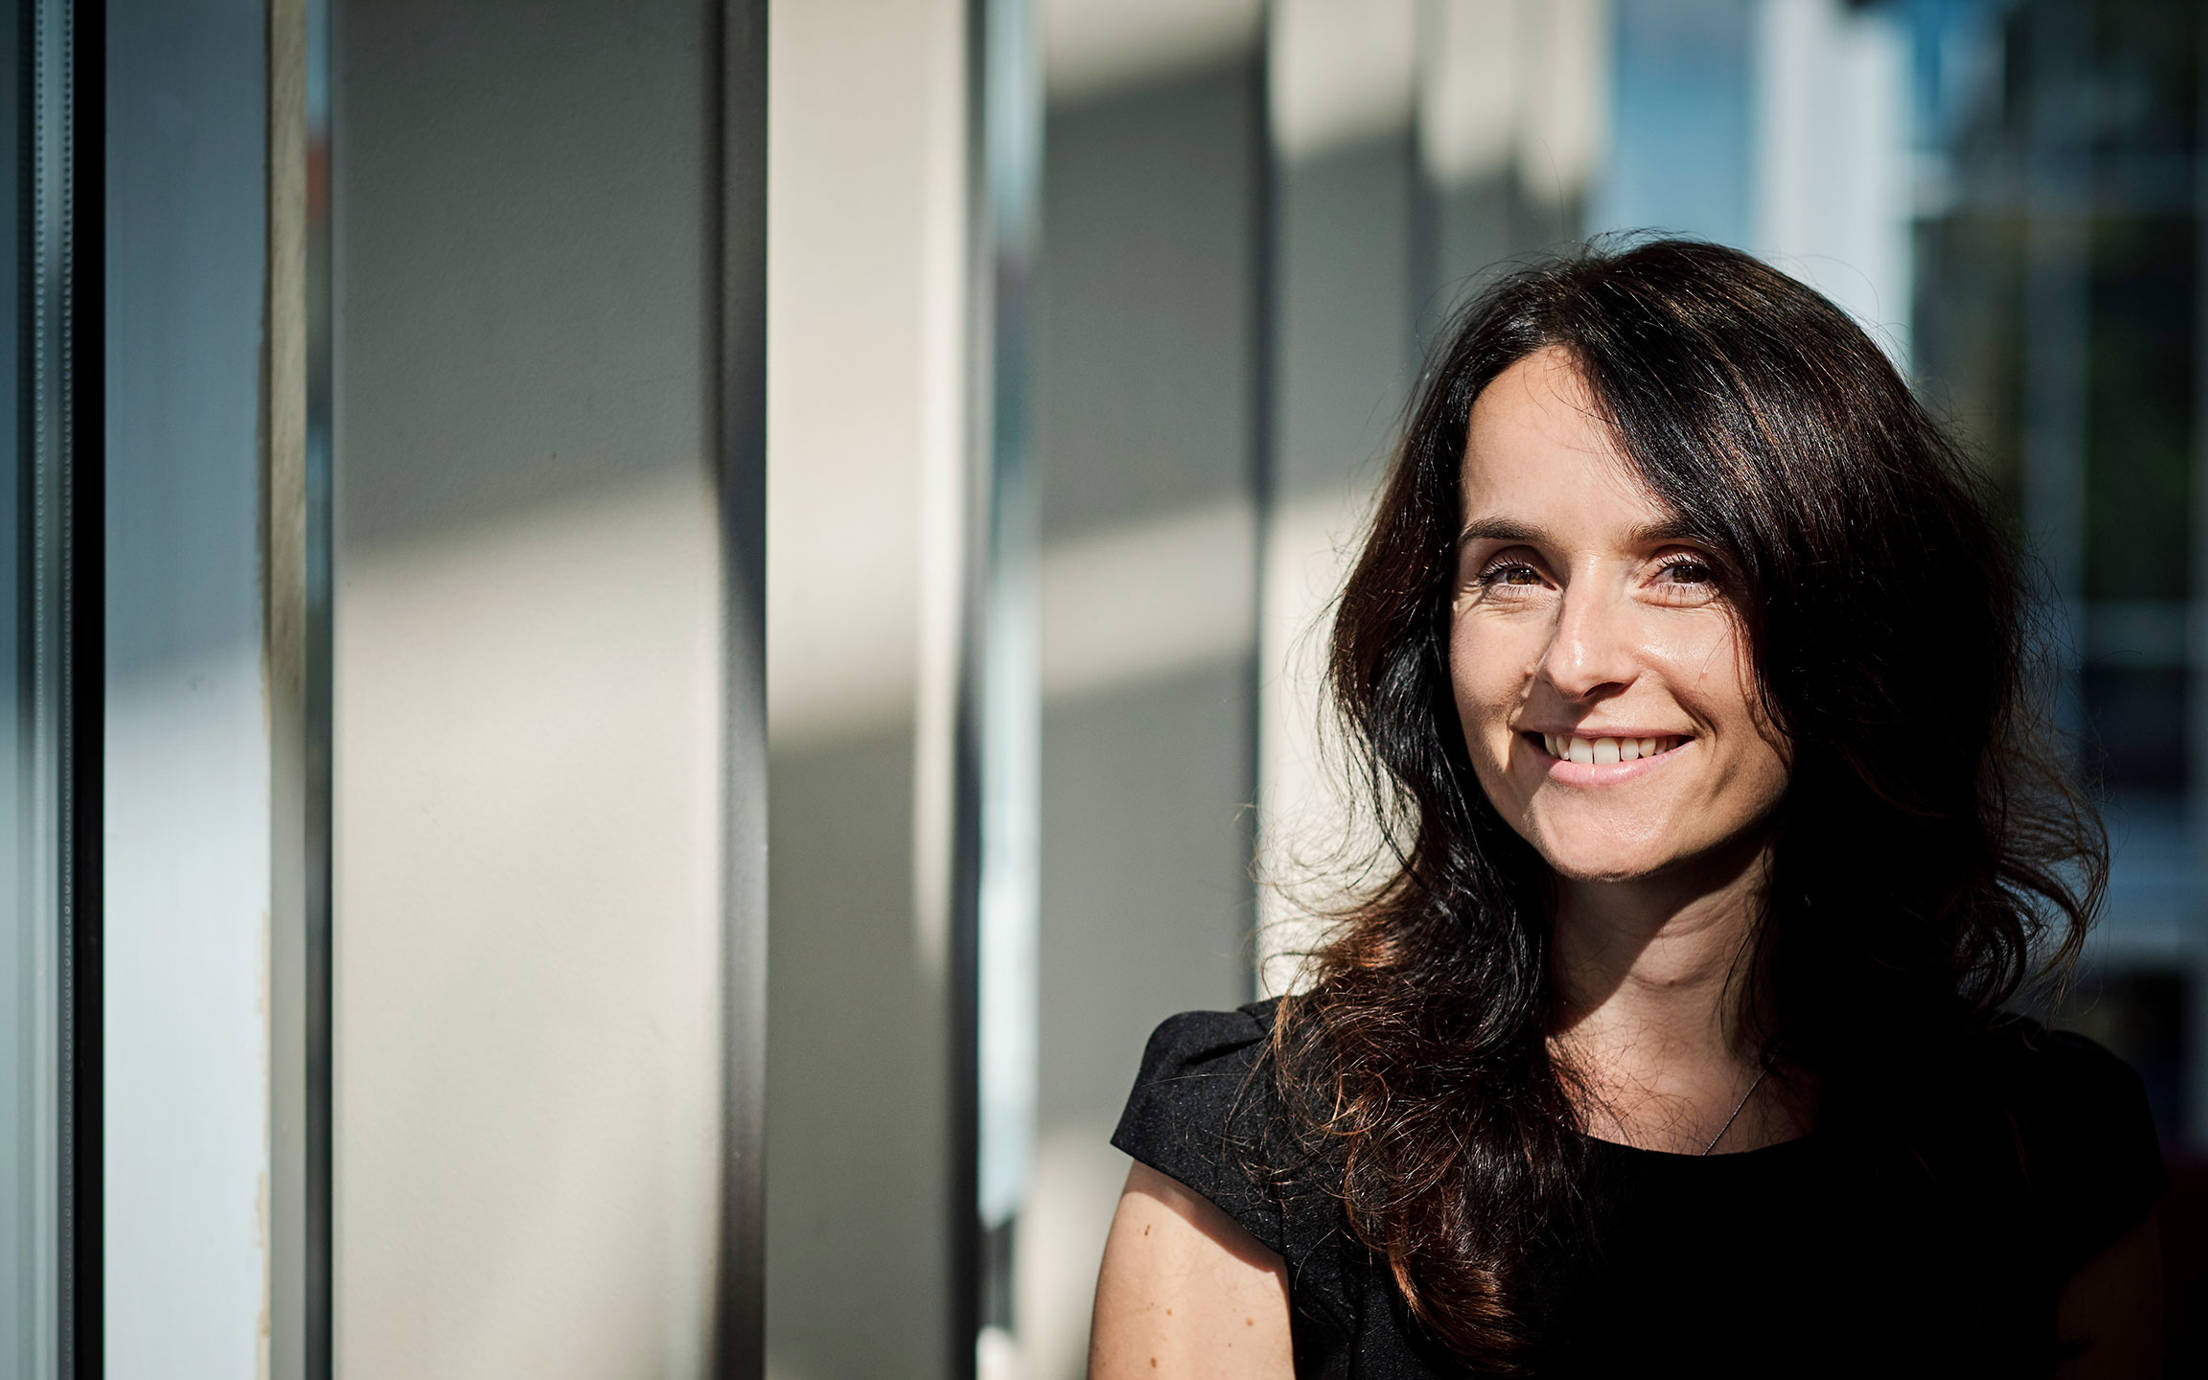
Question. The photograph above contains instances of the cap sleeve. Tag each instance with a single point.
(1200, 1111)
(2095, 1159)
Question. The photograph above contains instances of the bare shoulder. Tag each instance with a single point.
(1185, 1291)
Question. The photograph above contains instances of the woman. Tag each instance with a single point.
(1687, 673)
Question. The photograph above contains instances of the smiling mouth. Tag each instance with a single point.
(1603, 751)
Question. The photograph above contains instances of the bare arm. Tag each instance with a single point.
(2114, 1307)
(1186, 1292)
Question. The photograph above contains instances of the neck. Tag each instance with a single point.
(1649, 974)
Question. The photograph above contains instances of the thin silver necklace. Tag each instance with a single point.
(1737, 1109)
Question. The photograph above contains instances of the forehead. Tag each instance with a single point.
(1536, 440)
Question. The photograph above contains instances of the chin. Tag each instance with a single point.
(1600, 855)
(1579, 868)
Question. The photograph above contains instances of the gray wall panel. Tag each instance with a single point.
(529, 678)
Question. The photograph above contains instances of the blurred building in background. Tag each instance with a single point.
(524, 465)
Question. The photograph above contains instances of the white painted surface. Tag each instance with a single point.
(1312, 826)
(1133, 603)
(527, 982)
(528, 755)
(1092, 46)
(1342, 100)
(1341, 73)
(1832, 194)
(866, 457)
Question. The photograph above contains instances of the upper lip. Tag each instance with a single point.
(1593, 733)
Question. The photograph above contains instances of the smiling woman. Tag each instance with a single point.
(1584, 618)
(1687, 674)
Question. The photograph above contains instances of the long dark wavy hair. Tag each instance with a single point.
(1930, 856)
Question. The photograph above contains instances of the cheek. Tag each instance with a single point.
(1485, 690)
(1720, 676)
(1487, 685)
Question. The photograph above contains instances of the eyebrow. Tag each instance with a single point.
(1512, 530)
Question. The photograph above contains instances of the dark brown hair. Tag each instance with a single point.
(1930, 857)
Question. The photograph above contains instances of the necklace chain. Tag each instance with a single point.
(1737, 1107)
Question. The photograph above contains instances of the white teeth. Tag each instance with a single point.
(1604, 751)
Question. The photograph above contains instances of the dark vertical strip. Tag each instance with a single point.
(26, 298)
(1264, 350)
(2194, 1096)
(968, 740)
(737, 347)
(318, 1177)
(2057, 311)
(965, 993)
(84, 594)
(1422, 233)
(33, 563)
(25, 383)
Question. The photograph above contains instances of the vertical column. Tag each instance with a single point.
(1342, 95)
(1513, 125)
(740, 1308)
(295, 488)
(2058, 228)
(1832, 195)
(36, 1217)
(1149, 358)
(72, 431)
(996, 770)
(28, 916)
(2196, 937)
(532, 751)
(867, 489)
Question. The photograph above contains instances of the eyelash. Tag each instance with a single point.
(1493, 574)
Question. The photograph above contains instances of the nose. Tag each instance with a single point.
(1594, 643)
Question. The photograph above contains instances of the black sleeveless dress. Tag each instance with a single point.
(1827, 1255)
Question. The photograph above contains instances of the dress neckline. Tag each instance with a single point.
(1762, 1154)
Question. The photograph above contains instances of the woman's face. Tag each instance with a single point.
(1602, 679)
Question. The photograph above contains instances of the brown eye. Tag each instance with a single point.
(1688, 570)
(1508, 573)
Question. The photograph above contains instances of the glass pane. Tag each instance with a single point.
(22, 1091)
(2049, 76)
(30, 641)
(1968, 336)
(2139, 408)
(2140, 1014)
(2146, 82)
(2135, 723)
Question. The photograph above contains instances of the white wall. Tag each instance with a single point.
(1342, 91)
(1833, 199)
(527, 663)
(867, 371)
(1147, 355)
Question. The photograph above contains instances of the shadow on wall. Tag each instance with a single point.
(528, 690)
